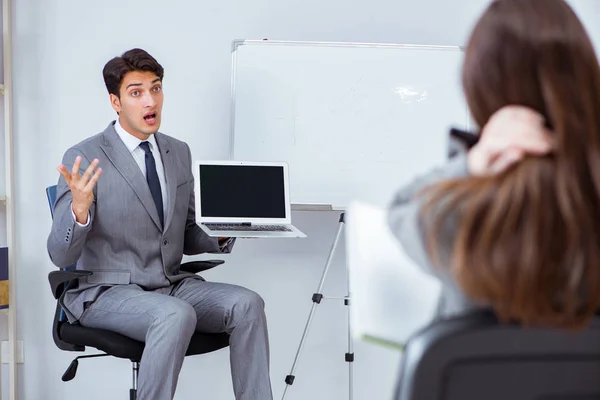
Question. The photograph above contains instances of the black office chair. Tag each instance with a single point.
(74, 337)
(474, 357)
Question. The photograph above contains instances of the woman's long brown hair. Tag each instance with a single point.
(527, 241)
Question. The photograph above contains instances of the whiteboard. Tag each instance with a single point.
(353, 121)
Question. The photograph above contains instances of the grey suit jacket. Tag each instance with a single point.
(124, 242)
(404, 221)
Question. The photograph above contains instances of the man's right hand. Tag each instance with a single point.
(82, 187)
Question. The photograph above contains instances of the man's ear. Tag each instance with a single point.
(115, 102)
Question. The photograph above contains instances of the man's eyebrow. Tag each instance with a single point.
(140, 84)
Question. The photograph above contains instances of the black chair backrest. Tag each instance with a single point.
(59, 314)
(474, 357)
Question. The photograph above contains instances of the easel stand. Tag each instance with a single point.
(316, 298)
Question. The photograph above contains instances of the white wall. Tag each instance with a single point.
(60, 48)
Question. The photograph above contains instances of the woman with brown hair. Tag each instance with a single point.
(514, 222)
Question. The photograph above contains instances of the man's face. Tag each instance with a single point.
(140, 104)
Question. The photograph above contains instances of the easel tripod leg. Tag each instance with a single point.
(316, 299)
(350, 353)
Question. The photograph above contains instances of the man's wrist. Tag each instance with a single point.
(224, 242)
(81, 216)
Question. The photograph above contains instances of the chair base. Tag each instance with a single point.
(135, 368)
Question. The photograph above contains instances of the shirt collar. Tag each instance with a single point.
(131, 142)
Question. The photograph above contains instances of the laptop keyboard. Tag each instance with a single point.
(248, 228)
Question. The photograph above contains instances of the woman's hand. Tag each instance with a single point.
(511, 133)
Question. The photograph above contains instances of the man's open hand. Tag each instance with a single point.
(82, 187)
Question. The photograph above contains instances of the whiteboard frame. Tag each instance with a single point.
(235, 44)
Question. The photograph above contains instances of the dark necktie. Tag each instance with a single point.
(153, 182)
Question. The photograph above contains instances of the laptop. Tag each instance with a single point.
(244, 199)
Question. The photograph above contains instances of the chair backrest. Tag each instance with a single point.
(474, 357)
(51, 195)
(59, 315)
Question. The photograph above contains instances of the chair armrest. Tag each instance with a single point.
(57, 278)
(197, 266)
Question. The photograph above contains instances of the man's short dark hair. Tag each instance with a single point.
(131, 60)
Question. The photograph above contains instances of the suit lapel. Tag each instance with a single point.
(119, 155)
(170, 167)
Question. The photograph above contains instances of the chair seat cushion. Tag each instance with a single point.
(121, 346)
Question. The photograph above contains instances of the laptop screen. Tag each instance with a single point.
(242, 191)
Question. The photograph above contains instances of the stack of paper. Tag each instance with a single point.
(391, 297)
(3, 277)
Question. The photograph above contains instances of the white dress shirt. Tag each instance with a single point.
(133, 145)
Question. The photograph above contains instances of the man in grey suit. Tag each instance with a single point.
(130, 222)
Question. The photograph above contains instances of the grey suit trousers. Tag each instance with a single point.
(166, 319)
